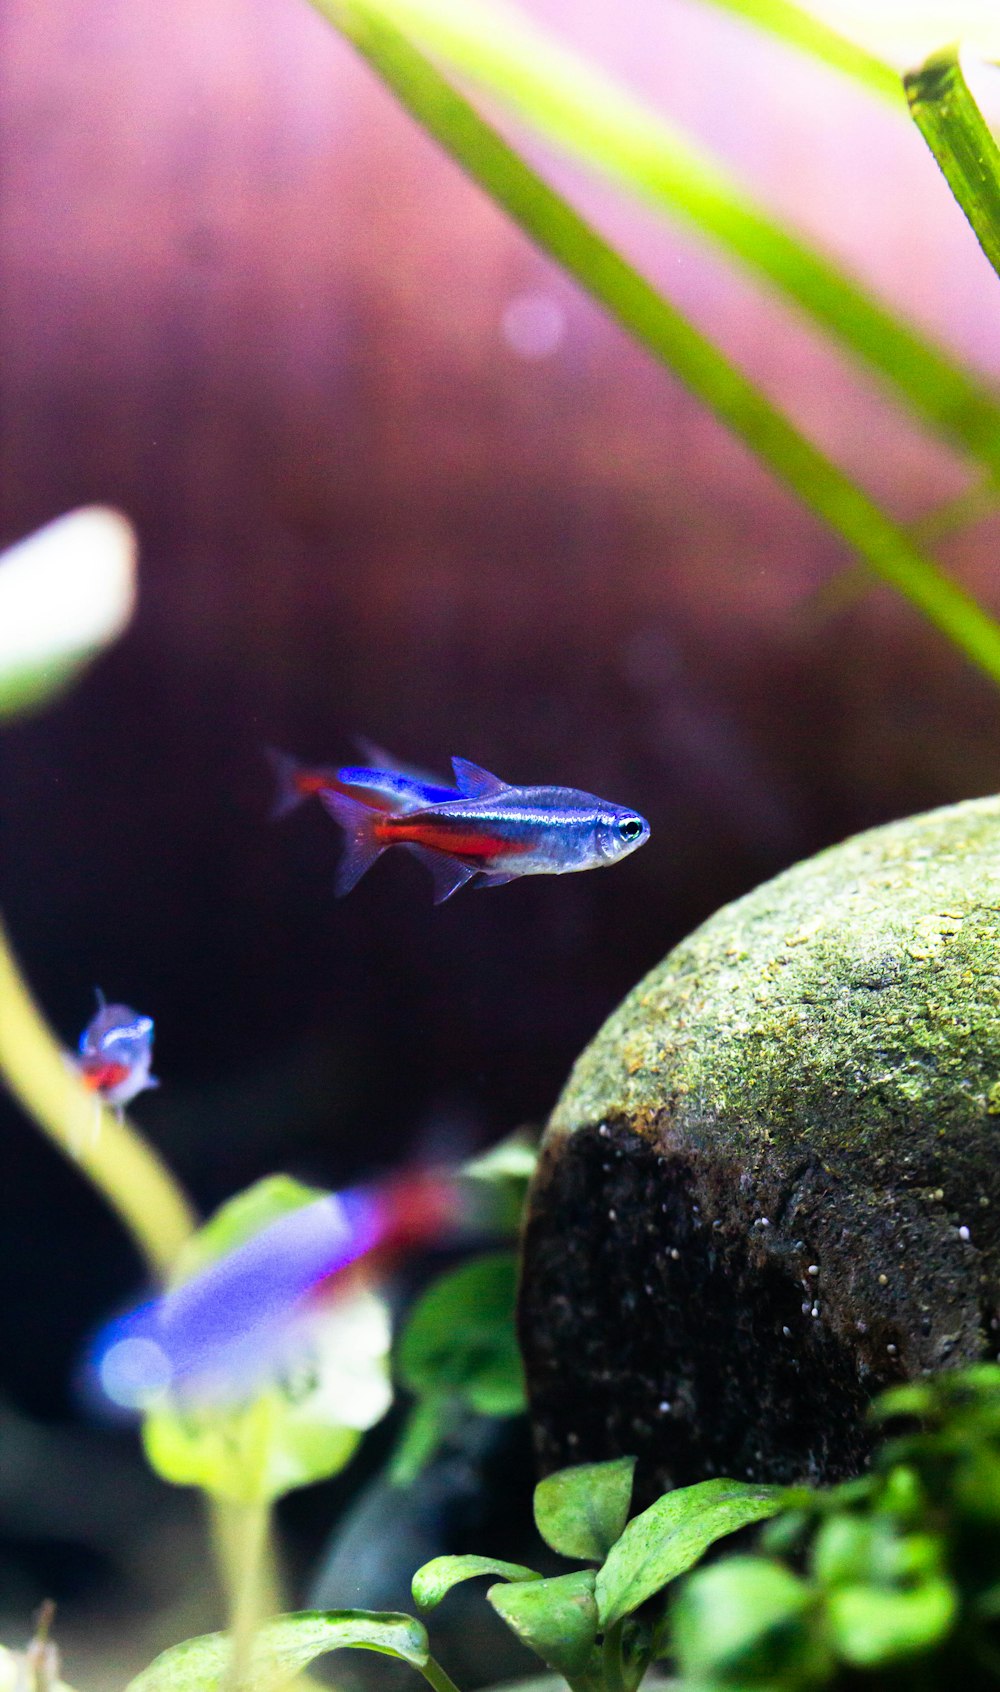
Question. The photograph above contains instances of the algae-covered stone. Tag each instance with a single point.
(772, 1184)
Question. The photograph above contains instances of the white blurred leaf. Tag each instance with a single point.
(66, 592)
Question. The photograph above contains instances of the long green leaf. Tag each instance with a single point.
(592, 118)
(801, 29)
(957, 134)
(559, 231)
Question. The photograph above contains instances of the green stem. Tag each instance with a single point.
(792, 23)
(435, 1676)
(961, 141)
(612, 1659)
(109, 1151)
(662, 329)
(251, 1524)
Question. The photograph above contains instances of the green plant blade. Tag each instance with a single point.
(557, 1619)
(802, 29)
(872, 1625)
(594, 119)
(743, 1622)
(459, 1341)
(580, 1512)
(66, 592)
(671, 1535)
(960, 139)
(559, 231)
(436, 1579)
(283, 1648)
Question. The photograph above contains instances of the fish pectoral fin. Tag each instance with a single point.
(449, 874)
(491, 878)
(474, 782)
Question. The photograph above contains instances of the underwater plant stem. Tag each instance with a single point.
(613, 1659)
(108, 1150)
(961, 141)
(250, 1525)
(800, 28)
(435, 1676)
(636, 305)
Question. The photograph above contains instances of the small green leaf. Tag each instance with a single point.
(741, 1622)
(671, 1535)
(460, 1340)
(556, 1618)
(959, 137)
(581, 1511)
(66, 592)
(436, 1578)
(872, 1625)
(283, 1648)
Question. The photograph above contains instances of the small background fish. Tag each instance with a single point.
(115, 1053)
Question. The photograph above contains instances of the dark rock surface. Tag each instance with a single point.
(771, 1186)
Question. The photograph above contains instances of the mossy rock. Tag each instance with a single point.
(772, 1185)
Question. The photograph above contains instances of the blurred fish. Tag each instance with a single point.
(115, 1052)
(492, 830)
(213, 1337)
(390, 786)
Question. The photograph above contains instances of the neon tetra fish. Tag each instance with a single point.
(218, 1335)
(115, 1053)
(391, 787)
(492, 830)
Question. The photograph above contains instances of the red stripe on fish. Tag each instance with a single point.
(102, 1077)
(444, 834)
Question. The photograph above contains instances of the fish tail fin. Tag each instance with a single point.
(361, 842)
(288, 794)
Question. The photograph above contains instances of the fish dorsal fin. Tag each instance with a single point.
(473, 782)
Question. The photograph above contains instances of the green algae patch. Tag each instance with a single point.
(772, 1183)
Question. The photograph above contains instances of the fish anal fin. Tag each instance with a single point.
(497, 878)
(448, 873)
(474, 782)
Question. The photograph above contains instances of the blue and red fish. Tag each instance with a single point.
(488, 829)
(115, 1053)
(216, 1337)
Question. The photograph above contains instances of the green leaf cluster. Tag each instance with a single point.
(458, 1352)
(585, 1625)
(889, 1581)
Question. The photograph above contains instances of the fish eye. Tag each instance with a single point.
(630, 828)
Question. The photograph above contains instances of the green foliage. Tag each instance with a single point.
(583, 1624)
(579, 107)
(549, 220)
(580, 1512)
(282, 1649)
(303, 1424)
(458, 1350)
(557, 1618)
(436, 1579)
(671, 1535)
(890, 1580)
(960, 139)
